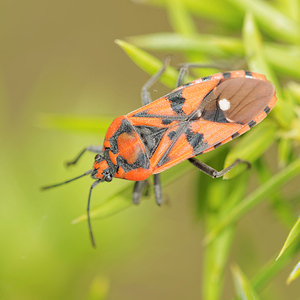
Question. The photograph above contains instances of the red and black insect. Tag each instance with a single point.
(195, 118)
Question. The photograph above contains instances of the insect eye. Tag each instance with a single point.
(98, 157)
(108, 178)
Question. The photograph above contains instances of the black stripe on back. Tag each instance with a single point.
(206, 78)
(248, 74)
(176, 101)
(218, 145)
(236, 134)
(226, 75)
(267, 109)
(251, 123)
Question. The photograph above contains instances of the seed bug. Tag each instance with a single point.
(195, 118)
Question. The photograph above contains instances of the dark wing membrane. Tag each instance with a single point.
(150, 136)
(245, 98)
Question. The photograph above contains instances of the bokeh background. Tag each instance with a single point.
(59, 58)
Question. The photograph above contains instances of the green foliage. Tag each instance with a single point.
(253, 145)
(242, 285)
(149, 63)
(266, 35)
(294, 274)
(261, 45)
(255, 197)
(293, 234)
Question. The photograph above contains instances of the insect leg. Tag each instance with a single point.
(146, 99)
(93, 148)
(184, 68)
(157, 190)
(214, 173)
(145, 94)
(138, 191)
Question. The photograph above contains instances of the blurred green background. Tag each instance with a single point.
(59, 58)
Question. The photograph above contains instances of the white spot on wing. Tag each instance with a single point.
(224, 104)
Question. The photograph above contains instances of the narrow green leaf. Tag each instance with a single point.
(206, 44)
(215, 260)
(255, 198)
(182, 23)
(272, 268)
(294, 274)
(226, 14)
(284, 151)
(179, 17)
(242, 286)
(293, 234)
(271, 20)
(254, 49)
(283, 58)
(290, 8)
(149, 63)
(74, 123)
(215, 195)
(258, 63)
(280, 205)
(216, 253)
(237, 192)
(250, 147)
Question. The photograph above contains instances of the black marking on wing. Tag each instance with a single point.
(267, 109)
(124, 127)
(216, 115)
(236, 134)
(166, 121)
(165, 158)
(141, 162)
(226, 75)
(206, 78)
(141, 114)
(203, 79)
(218, 145)
(171, 134)
(210, 110)
(195, 139)
(248, 74)
(150, 136)
(251, 124)
(176, 101)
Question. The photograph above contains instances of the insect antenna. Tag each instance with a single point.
(67, 181)
(88, 213)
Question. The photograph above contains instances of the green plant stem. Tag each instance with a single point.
(255, 198)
